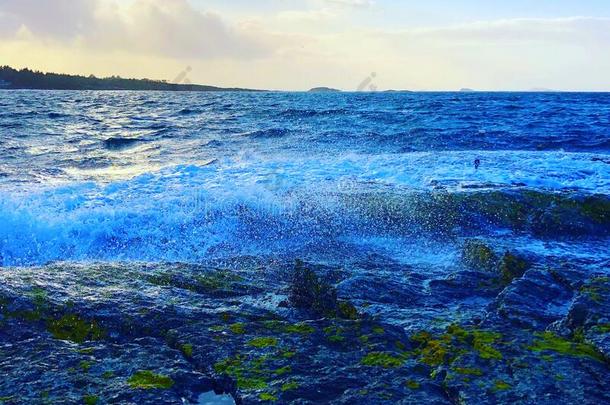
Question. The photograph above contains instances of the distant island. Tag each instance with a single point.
(14, 79)
(324, 90)
(543, 90)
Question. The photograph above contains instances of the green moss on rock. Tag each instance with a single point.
(436, 351)
(265, 396)
(595, 289)
(500, 385)
(72, 327)
(290, 386)
(334, 334)
(468, 371)
(548, 341)
(512, 266)
(218, 280)
(229, 366)
(251, 383)
(602, 328)
(412, 384)
(247, 374)
(238, 328)
(146, 379)
(39, 297)
(283, 370)
(263, 342)
(287, 354)
(597, 208)
(346, 310)
(482, 343)
(90, 399)
(85, 365)
(300, 328)
(187, 349)
(477, 255)
(381, 359)
(161, 279)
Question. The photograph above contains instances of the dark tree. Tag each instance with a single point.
(28, 79)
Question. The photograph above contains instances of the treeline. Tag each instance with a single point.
(30, 79)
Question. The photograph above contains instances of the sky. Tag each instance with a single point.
(299, 44)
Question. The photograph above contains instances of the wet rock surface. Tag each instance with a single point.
(453, 250)
(167, 333)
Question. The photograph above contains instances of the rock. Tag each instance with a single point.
(589, 314)
(167, 333)
(374, 288)
(512, 266)
(308, 292)
(465, 285)
(478, 256)
(442, 213)
(323, 90)
(534, 301)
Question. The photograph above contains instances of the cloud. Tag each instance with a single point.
(561, 53)
(522, 29)
(315, 16)
(57, 18)
(305, 44)
(166, 28)
(351, 3)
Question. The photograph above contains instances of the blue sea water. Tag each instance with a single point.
(168, 233)
(192, 176)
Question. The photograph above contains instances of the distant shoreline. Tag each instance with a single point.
(237, 90)
(26, 79)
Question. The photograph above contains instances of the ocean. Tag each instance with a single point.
(384, 247)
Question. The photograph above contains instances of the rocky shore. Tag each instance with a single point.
(501, 323)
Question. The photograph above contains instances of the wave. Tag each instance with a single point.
(190, 111)
(268, 133)
(55, 115)
(185, 213)
(212, 174)
(307, 113)
(118, 144)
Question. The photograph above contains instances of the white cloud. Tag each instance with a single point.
(310, 43)
(315, 16)
(523, 29)
(169, 28)
(351, 3)
(57, 18)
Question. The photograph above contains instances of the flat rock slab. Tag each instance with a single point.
(168, 333)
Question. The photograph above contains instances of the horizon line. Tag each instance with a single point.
(314, 89)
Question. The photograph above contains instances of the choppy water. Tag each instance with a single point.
(189, 176)
(158, 233)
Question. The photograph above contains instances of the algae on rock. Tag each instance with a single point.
(477, 255)
(146, 379)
